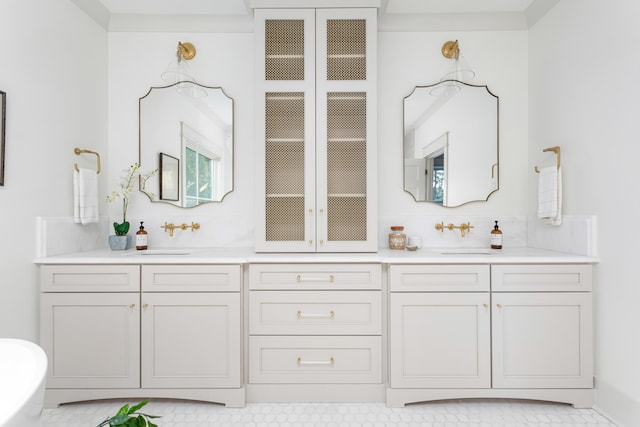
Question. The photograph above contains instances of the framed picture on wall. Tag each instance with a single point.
(3, 115)
(169, 178)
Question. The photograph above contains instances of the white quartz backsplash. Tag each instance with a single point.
(576, 235)
(514, 230)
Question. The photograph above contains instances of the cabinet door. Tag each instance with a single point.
(542, 340)
(92, 340)
(440, 340)
(191, 340)
(285, 130)
(346, 130)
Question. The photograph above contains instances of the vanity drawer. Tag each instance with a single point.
(191, 278)
(319, 360)
(315, 313)
(439, 278)
(90, 278)
(315, 276)
(541, 278)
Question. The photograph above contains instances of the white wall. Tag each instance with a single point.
(53, 68)
(584, 90)
(405, 60)
(225, 60)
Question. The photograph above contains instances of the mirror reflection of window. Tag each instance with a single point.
(437, 178)
(202, 180)
(199, 178)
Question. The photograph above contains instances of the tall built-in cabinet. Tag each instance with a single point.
(316, 130)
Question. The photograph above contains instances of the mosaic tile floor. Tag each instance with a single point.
(468, 413)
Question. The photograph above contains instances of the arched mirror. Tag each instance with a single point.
(186, 131)
(451, 143)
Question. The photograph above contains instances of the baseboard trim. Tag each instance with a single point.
(618, 407)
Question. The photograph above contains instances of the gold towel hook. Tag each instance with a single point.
(556, 150)
(78, 151)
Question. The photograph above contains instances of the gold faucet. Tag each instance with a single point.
(462, 227)
(169, 227)
(183, 226)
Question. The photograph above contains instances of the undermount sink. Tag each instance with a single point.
(163, 252)
(465, 251)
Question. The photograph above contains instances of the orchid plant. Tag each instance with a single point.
(124, 192)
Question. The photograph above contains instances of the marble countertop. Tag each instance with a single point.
(426, 255)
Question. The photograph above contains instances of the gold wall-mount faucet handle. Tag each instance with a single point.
(170, 227)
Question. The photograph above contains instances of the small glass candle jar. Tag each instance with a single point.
(397, 238)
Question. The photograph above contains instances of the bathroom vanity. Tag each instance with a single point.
(234, 326)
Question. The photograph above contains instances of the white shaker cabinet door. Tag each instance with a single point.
(191, 340)
(542, 340)
(92, 340)
(440, 340)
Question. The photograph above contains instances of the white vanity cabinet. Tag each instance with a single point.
(525, 333)
(191, 330)
(90, 327)
(315, 332)
(316, 124)
(440, 322)
(542, 326)
(171, 331)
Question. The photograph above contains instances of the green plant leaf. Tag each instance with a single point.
(123, 410)
(138, 406)
(119, 419)
(121, 229)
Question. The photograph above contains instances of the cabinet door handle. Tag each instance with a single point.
(300, 278)
(145, 306)
(329, 315)
(485, 305)
(301, 362)
(499, 305)
(132, 306)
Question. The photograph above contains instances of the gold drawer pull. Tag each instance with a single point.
(329, 315)
(131, 306)
(499, 305)
(329, 362)
(299, 278)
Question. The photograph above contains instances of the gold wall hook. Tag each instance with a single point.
(556, 150)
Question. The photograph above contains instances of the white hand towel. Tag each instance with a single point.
(550, 195)
(85, 196)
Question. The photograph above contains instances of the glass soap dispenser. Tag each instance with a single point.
(496, 237)
(141, 238)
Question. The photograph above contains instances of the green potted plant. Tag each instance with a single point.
(121, 240)
(130, 417)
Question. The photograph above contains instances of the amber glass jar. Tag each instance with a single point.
(397, 237)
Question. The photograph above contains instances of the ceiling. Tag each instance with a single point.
(236, 15)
